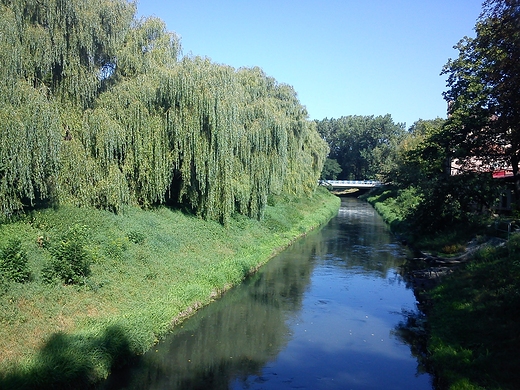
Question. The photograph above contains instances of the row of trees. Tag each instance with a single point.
(97, 108)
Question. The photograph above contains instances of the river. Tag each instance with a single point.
(322, 314)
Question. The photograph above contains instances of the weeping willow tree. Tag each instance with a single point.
(52, 52)
(65, 45)
(110, 116)
(284, 152)
(29, 147)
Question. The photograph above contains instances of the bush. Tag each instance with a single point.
(71, 261)
(13, 262)
(136, 237)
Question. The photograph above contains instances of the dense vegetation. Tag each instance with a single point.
(97, 109)
(112, 146)
(470, 339)
(361, 147)
(474, 322)
(442, 172)
(483, 92)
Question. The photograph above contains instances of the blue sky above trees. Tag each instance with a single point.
(343, 57)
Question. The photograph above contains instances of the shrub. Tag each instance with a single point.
(71, 261)
(13, 262)
(136, 237)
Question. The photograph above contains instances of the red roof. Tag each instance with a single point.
(502, 173)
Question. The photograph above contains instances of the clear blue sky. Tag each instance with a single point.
(343, 57)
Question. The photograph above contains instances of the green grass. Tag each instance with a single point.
(148, 271)
(474, 339)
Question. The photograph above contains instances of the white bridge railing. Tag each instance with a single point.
(350, 183)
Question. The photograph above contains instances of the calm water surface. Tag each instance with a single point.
(321, 315)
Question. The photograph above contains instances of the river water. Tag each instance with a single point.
(321, 315)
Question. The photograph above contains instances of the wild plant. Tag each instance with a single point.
(13, 262)
(70, 260)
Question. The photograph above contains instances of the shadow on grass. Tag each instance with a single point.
(72, 361)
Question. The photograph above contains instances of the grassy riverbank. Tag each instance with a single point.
(473, 317)
(474, 322)
(148, 270)
(396, 206)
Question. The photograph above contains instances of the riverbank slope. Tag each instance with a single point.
(472, 338)
(148, 271)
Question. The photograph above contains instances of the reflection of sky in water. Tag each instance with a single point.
(342, 337)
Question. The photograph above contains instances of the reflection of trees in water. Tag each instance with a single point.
(359, 238)
(233, 337)
(413, 331)
(237, 335)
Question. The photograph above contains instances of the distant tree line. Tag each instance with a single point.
(98, 108)
(361, 147)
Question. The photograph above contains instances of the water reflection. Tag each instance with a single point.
(233, 337)
(320, 315)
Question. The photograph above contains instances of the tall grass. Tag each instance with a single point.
(148, 271)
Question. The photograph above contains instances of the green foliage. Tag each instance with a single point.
(363, 146)
(474, 332)
(331, 170)
(71, 261)
(13, 262)
(116, 248)
(101, 112)
(395, 205)
(29, 146)
(484, 91)
(72, 335)
(136, 237)
(421, 154)
(443, 199)
(429, 224)
(63, 46)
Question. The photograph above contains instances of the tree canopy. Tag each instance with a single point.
(98, 108)
(484, 90)
(363, 146)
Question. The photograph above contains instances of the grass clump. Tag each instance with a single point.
(13, 262)
(399, 209)
(394, 205)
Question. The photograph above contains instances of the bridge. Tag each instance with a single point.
(337, 184)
